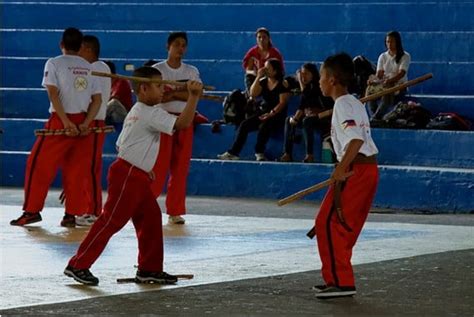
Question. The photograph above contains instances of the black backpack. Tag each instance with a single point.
(363, 68)
(234, 106)
(404, 116)
(449, 121)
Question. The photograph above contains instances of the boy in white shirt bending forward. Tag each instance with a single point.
(129, 179)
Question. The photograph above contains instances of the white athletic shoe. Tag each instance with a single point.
(85, 220)
(260, 157)
(176, 220)
(227, 156)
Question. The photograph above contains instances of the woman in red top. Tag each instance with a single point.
(256, 56)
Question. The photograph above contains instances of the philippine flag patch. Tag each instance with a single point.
(348, 123)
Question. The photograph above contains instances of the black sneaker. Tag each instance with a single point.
(69, 221)
(83, 276)
(26, 218)
(155, 277)
(334, 291)
(319, 288)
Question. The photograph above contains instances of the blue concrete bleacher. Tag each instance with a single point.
(427, 170)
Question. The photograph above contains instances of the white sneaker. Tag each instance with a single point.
(227, 156)
(260, 157)
(85, 220)
(176, 220)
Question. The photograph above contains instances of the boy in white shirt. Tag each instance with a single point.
(75, 99)
(347, 203)
(129, 192)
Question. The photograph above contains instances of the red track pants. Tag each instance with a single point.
(129, 197)
(93, 184)
(174, 156)
(51, 153)
(335, 242)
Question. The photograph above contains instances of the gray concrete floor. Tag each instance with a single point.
(437, 284)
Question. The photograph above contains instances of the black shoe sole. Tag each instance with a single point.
(71, 274)
(151, 280)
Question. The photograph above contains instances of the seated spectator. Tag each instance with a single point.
(271, 114)
(392, 69)
(306, 117)
(256, 56)
(120, 98)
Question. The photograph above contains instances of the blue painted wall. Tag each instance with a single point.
(438, 34)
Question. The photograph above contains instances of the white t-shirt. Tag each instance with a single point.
(71, 75)
(350, 121)
(391, 68)
(139, 141)
(184, 73)
(105, 87)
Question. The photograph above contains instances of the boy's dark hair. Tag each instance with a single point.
(111, 66)
(398, 43)
(341, 66)
(72, 39)
(93, 43)
(146, 72)
(175, 35)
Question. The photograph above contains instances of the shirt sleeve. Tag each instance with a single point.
(49, 76)
(95, 85)
(405, 62)
(195, 75)
(380, 62)
(161, 121)
(348, 121)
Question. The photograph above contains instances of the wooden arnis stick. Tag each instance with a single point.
(384, 92)
(146, 80)
(49, 132)
(307, 191)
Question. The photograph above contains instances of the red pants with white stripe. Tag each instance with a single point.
(93, 184)
(129, 197)
(49, 154)
(335, 242)
(174, 157)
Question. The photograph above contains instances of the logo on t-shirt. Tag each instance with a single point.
(348, 123)
(80, 83)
